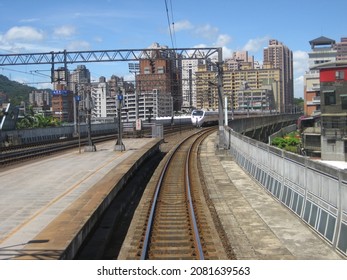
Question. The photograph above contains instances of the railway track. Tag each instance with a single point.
(178, 226)
(15, 154)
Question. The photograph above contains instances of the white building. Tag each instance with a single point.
(150, 106)
(99, 93)
(189, 94)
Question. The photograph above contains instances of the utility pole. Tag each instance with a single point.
(220, 100)
(89, 105)
(119, 104)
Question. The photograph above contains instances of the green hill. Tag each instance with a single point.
(16, 92)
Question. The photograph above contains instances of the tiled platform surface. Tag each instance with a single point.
(48, 206)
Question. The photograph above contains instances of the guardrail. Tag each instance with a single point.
(314, 191)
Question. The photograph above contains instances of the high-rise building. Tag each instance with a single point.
(62, 98)
(206, 87)
(100, 93)
(81, 75)
(246, 85)
(160, 73)
(279, 56)
(189, 92)
(40, 98)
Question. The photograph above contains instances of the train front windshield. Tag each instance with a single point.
(198, 113)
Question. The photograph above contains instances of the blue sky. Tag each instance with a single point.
(44, 26)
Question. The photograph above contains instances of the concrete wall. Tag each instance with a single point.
(282, 132)
(315, 192)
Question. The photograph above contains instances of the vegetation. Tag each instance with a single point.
(36, 121)
(289, 142)
(16, 92)
(299, 103)
(32, 120)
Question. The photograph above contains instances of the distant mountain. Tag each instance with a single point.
(16, 92)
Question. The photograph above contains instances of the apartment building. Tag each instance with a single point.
(62, 97)
(245, 81)
(161, 73)
(40, 98)
(279, 56)
(189, 89)
(323, 50)
(333, 88)
(62, 105)
(341, 49)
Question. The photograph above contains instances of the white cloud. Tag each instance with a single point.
(98, 39)
(78, 45)
(254, 45)
(27, 20)
(183, 25)
(299, 87)
(23, 33)
(300, 62)
(227, 53)
(65, 31)
(300, 65)
(207, 31)
(223, 40)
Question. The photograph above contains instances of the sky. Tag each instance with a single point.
(77, 25)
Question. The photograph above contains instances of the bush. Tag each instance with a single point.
(289, 143)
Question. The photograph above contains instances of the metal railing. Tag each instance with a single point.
(314, 191)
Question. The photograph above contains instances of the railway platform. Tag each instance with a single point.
(257, 226)
(48, 206)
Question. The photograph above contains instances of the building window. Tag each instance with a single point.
(343, 101)
(331, 141)
(147, 70)
(340, 75)
(161, 70)
(329, 98)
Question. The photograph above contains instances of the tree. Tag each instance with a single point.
(37, 121)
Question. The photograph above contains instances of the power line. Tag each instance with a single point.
(169, 25)
(173, 24)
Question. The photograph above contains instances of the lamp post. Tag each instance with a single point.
(135, 68)
(220, 102)
(119, 104)
(89, 105)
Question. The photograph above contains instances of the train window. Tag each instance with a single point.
(198, 113)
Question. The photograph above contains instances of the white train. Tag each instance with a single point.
(204, 118)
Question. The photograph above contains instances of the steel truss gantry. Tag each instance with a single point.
(70, 57)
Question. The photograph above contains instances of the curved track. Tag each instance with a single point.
(176, 227)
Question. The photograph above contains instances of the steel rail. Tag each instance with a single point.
(150, 222)
(197, 240)
(154, 204)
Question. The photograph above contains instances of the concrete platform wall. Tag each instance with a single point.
(315, 192)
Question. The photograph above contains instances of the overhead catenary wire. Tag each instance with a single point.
(171, 30)
(173, 25)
